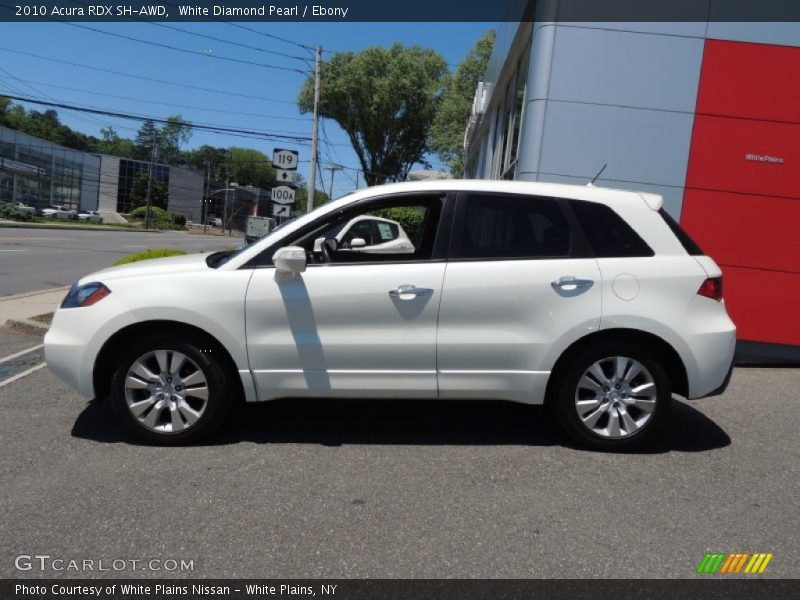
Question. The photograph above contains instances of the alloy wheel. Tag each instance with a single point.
(166, 391)
(615, 397)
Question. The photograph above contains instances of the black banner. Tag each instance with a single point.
(402, 589)
(402, 10)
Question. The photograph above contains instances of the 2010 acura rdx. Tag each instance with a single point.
(590, 300)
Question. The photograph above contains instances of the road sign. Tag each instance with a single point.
(285, 159)
(282, 210)
(283, 194)
(283, 176)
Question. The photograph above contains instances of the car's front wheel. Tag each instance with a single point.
(613, 396)
(168, 390)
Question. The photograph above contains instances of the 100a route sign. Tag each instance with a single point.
(283, 194)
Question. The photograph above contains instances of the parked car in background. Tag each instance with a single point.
(24, 207)
(59, 212)
(369, 234)
(91, 216)
(591, 301)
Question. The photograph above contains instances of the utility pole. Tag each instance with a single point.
(150, 181)
(332, 169)
(312, 176)
(225, 204)
(206, 197)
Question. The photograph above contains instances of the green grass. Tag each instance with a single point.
(148, 254)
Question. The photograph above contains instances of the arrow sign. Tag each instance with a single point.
(282, 210)
(283, 176)
(283, 194)
(285, 159)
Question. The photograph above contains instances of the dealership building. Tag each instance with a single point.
(41, 174)
(707, 114)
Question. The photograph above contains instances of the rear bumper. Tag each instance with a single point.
(723, 386)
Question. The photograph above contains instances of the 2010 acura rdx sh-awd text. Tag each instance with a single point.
(590, 300)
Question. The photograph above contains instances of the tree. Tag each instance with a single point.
(385, 100)
(250, 167)
(146, 137)
(168, 138)
(301, 195)
(111, 143)
(159, 192)
(204, 156)
(447, 132)
(173, 133)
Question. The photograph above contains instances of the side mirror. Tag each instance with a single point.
(358, 243)
(290, 259)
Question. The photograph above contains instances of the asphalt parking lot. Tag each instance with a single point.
(39, 259)
(400, 489)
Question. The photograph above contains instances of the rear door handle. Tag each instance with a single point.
(569, 283)
(409, 290)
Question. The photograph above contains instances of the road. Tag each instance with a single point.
(400, 489)
(39, 259)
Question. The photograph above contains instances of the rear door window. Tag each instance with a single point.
(512, 227)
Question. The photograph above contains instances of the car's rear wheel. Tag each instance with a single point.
(170, 391)
(613, 396)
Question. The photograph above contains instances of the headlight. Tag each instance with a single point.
(85, 295)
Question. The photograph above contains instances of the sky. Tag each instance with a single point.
(275, 109)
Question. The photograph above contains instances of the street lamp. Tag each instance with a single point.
(224, 208)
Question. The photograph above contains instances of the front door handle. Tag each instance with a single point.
(569, 283)
(406, 292)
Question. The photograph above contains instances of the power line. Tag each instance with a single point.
(184, 50)
(148, 101)
(270, 35)
(84, 118)
(162, 119)
(232, 43)
(144, 78)
(202, 126)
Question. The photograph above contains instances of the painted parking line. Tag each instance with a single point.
(20, 364)
(21, 353)
(19, 250)
(21, 375)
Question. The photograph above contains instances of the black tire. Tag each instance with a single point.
(220, 390)
(566, 394)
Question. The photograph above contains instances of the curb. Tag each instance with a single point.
(27, 325)
(36, 293)
(15, 225)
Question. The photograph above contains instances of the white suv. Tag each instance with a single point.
(590, 300)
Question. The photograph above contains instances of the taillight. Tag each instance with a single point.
(712, 288)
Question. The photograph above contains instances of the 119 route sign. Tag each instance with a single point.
(285, 159)
(283, 194)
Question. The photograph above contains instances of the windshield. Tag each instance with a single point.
(220, 258)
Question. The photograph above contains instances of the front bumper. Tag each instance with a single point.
(75, 338)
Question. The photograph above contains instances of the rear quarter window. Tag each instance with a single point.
(608, 234)
(687, 242)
